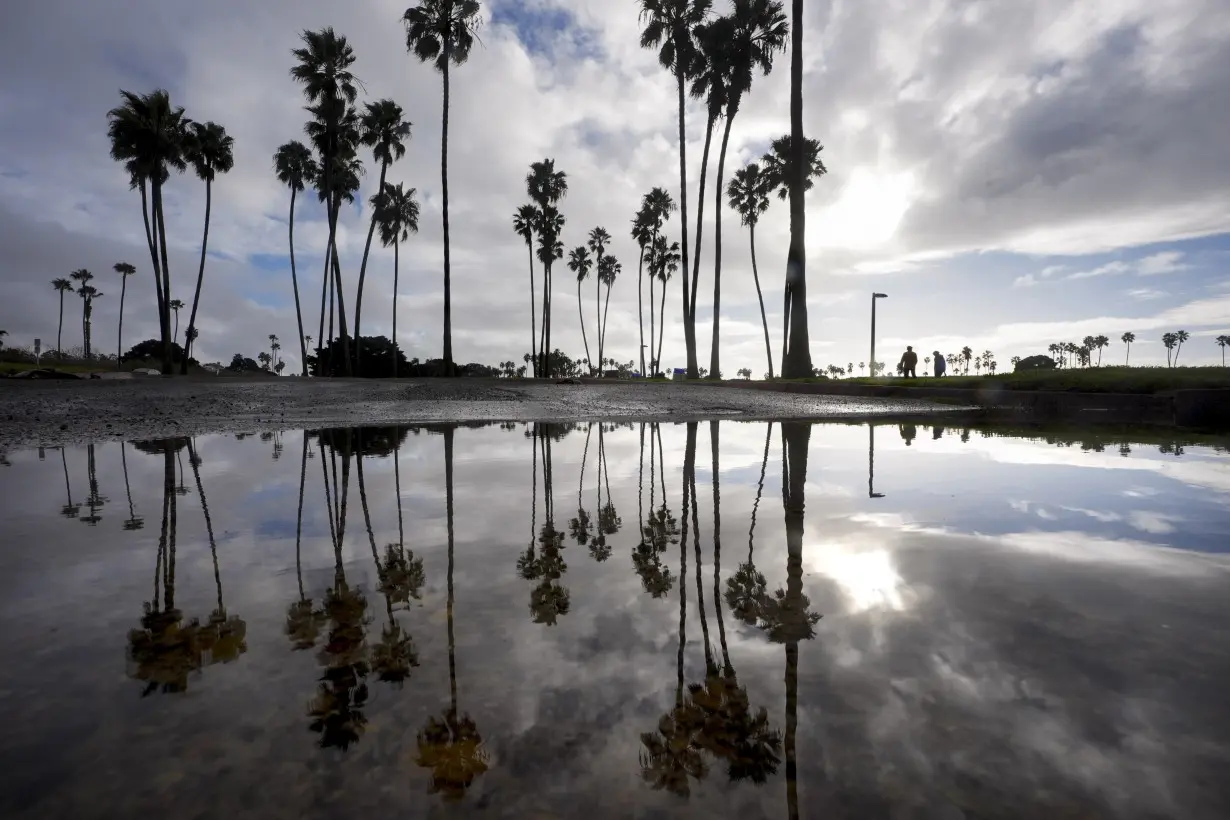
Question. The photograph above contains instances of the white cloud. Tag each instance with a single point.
(1167, 262)
(1026, 281)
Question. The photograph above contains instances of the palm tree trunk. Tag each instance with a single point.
(153, 247)
(640, 311)
(294, 281)
(209, 524)
(683, 570)
(654, 364)
(358, 300)
(165, 318)
(717, 543)
(797, 361)
(119, 338)
(581, 317)
(341, 296)
(768, 350)
(662, 328)
(606, 307)
(299, 514)
(200, 278)
(85, 328)
(396, 274)
(448, 495)
(127, 487)
(321, 342)
(448, 271)
(714, 360)
(1128, 358)
(60, 329)
(792, 725)
(598, 309)
(689, 327)
(529, 244)
(700, 212)
(689, 461)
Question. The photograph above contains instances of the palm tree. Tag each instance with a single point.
(134, 521)
(1100, 342)
(1180, 337)
(524, 222)
(966, 355)
(749, 195)
(88, 294)
(546, 187)
(63, 286)
(347, 168)
(147, 134)
(670, 27)
(608, 271)
(598, 240)
(642, 234)
(756, 32)
(323, 68)
(209, 149)
(1222, 342)
(295, 168)
(1169, 340)
(397, 212)
(176, 305)
(1127, 339)
(668, 260)
(124, 270)
(580, 264)
(384, 131)
(442, 32)
(779, 166)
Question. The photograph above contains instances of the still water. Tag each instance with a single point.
(624, 621)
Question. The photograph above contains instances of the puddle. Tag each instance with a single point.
(721, 619)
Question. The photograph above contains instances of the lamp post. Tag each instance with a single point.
(874, 296)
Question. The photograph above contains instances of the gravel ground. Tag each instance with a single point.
(64, 412)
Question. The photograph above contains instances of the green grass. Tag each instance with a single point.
(21, 367)
(1139, 380)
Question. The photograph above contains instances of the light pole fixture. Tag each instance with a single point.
(874, 296)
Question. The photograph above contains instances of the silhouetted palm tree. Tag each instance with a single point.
(525, 220)
(1180, 336)
(124, 270)
(597, 243)
(749, 195)
(295, 168)
(88, 294)
(208, 149)
(546, 187)
(62, 286)
(642, 234)
(397, 212)
(441, 32)
(580, 263)
(224, 639)
(1127, 339)
(670, 27)
(1222, 342)
(796, 361)
(147, 134)
(1169, 340)
(303, 619)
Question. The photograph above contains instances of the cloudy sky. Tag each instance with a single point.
(1010, 173)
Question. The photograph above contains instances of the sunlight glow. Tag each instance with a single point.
(867, 578)
(869, 211)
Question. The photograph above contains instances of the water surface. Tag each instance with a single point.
(626, 621)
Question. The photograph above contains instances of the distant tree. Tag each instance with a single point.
(152, 349)
(746, 372)
(1127, 339)
(966, 355)
(1100, 342)
(1222, 342)
(1180, 336)
(62, 286)
(378, 357)
(124, 270)
(861, 367)
(277, 368)
(296, 168)
(580, 263)
(264, 359)
(1089, 343)
(242, 364)
(1169, 340)
(176, 305)
(1015, 360)
(926, 364)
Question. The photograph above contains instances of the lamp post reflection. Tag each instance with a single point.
(871, 463)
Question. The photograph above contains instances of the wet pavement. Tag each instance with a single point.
(617, 620)
(68, 412)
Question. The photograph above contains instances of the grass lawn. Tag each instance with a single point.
(1082, 380)
(21, 367)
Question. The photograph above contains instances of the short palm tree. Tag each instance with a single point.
(524, 222)
(608, 271)
(670, 27)
(295, 168)
(668, 262)
(385, 131)
(967, 354)
(209, 150)
(580, 263)
(124, 270)
(176, 305)
(441, 32)
(749, 196)
(599, 238)
(397, 213)
(322, 67)
(1127, 339)
(62, 286)
(1169, 340)
(1180, 337)
(779, 169)
(147, 134)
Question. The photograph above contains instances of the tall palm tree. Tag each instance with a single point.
(749, 196)
(124, 270)
(1127, 339)
(295, 168)
(546, 187)
(659, 206)
(209, 150)
(796, 361)
(384, 131)
(598, 240)
(580, 263)
(397, 212)
(345, 186)
(88, 294)
(608, 271)
(670, 27)
(147, 133)
(668, 260)
(62, 286)
(441, 32)
(176, 305)
(524, 222)
(756, 32)
(1222, 342)
(451, 746)
(1180, 336)
(323, 69)
(642, 233)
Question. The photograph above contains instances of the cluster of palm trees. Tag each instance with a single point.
(1173, 342)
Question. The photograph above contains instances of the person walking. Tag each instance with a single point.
(941, 366)
(909, 363)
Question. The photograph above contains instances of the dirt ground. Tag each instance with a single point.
(63, 412)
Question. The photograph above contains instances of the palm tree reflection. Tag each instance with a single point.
(543, 559)
(658, 531)
(451, 745)
(223, 640)
(303, 619)
(95, 500)
(134, 522)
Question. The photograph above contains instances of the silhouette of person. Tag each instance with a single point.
(937, 432)
(909, 363)
(908, 433)
(941, 366)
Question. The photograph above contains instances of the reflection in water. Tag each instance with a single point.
(974, 696)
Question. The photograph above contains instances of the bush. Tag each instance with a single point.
(1034, 363)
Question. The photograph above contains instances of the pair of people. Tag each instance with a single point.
(908, 365)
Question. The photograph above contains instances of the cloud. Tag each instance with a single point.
(1145, 293)
(1109, 269)
(1167, 262)
(1026, 281)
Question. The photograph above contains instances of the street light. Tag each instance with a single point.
(874, 296)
